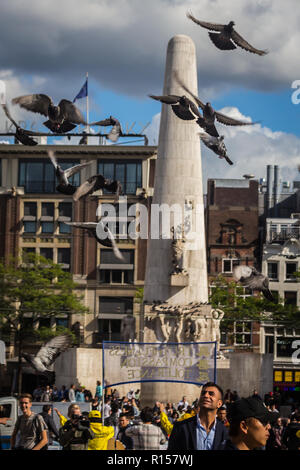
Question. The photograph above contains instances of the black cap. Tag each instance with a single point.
(250, 408)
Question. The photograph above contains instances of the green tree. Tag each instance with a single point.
(34, 288)
(227, 296)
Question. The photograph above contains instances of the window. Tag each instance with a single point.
(48, 209)
(44, 323)
(129, 173)
(64, 257)
(26, 251)
(290, 268)
(62, 322)
(29, 219)
(109, 329)
(242, 332)
(229, 264)
(38, 176)
(47, 253)
(116, 305)
(273, 271)
(290, 298)
(65, 209)
(47, 227)
(29, 227)
(114, 271)
(30, 209)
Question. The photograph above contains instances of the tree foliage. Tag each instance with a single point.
(32, 289)
(227, 295)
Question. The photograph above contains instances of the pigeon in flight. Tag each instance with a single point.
(91, 227)
(64, 186)
(48, 353)
(210, 115)
(22, 135)
(61, 118)
(182, 106)
(250, 277)
(216, 144)
(226, 37)
(97, 182)
(116, 130)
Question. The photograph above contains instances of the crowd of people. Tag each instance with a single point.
(213, 421)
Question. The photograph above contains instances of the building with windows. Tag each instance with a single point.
(231, 225)
(33, 215)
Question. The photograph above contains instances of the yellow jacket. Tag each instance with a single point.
(102, 433)
(168, 427)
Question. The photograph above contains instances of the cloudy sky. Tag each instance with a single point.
(48, 46)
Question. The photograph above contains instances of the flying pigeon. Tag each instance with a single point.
(210, 115)
(216, 144)
(97, 182)
(182, 106)
(116, 130)
(22, 135)
(91, 228)
(250, 277)
(48, 353)
(226, 37)
(61, 118)
(64, 186)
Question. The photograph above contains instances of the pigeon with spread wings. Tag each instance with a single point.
(61, 118)
(64, 186)
(182, 106)
(251, 278)
(225, 36)
(22, 135)
(96, 182)
(210, 114)
(116, 129)
(48, 353)
(216, 144)
(108, 241)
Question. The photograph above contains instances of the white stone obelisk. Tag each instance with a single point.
(178, 181)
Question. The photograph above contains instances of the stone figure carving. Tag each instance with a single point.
(164, 326)
(217, 316)
(128, 328)
(196, 328)
(178, 243)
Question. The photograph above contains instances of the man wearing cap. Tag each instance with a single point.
(249, 425)
(203, 431)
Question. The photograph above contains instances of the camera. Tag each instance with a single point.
(80, 421)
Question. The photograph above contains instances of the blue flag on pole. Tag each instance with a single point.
(83, 92)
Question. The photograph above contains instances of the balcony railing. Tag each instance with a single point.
(284, 235)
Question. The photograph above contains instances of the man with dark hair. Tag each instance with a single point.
(52, 429)
(124, 423)
(146, 436)
(291, 435)
(203, 431)
(249, 425)
(31, 427)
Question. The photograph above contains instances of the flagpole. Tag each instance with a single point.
(87, 106)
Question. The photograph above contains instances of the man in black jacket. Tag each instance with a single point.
(203, 431)
(52, 429)
(121, 436)
(291, 435)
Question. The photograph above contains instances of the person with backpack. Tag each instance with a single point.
(30, 427)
